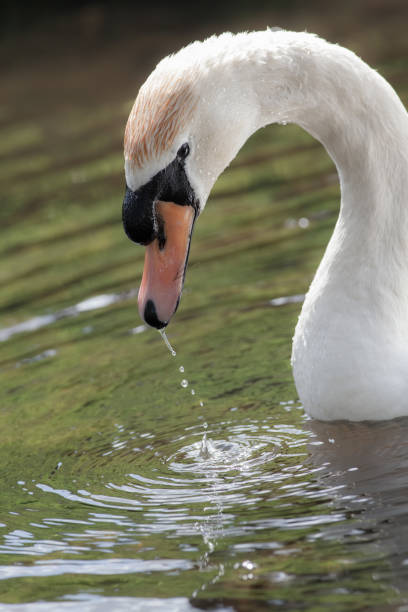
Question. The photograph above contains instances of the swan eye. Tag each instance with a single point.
(183, 151)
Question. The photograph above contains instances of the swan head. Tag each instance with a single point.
(181, 133)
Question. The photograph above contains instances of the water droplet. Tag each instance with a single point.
(166, 342)
(181, 369)
(184, 383)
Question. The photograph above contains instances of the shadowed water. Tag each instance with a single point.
(132, 479)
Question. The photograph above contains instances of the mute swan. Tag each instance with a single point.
(190, 118)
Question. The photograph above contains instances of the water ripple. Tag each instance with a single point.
(195, 475)
(96, 603)
(102, 567)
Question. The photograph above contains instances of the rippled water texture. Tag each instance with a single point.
(132, 479)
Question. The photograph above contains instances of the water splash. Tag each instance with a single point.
(206, 447)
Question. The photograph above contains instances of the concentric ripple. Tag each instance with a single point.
(197, 472)
(242, 449)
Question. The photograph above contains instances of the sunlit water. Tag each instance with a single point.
(134, 478)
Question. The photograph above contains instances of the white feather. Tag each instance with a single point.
(350, 349)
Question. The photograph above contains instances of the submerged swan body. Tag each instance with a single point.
(191, 117)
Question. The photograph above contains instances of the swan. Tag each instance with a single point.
(189, 120)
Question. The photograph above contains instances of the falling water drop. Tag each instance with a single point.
(184, 382)
(166, 342)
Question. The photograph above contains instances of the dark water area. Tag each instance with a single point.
(134, 480)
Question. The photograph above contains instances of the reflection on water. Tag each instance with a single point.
(96, 567)
(366, 464)
(287, 299)
(92, 303)
(94, 603)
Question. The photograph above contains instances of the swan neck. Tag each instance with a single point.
(351, 110)
(336, 97)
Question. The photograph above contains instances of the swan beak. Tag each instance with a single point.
(165, 264)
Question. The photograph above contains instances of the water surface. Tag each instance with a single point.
(110, 498)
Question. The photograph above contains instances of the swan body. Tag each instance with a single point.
(350, 348)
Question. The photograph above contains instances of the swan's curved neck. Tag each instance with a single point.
(351, 110)
(360, 120)
(350, 346)
(292, 77)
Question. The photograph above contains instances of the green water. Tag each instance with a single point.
(106, 498)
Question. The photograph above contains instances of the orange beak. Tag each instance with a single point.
(165, 266)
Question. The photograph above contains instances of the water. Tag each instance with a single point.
(205, 444)
(167, 343)
(122, 489)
